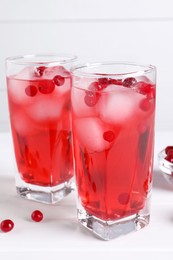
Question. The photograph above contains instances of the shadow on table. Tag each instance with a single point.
(160, 182)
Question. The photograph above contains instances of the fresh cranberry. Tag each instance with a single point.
(129, 82)
(123, 198)
(109, 136)
(104, 82)
(145, 104)
(40, 70)
(91, 98)
(58, 80)
(146, 89)
(168, 148)
(7, 225)
(31, 90)
(46, 87)
(169, 158)
(37, 216)
(115, 81)
(95, 86)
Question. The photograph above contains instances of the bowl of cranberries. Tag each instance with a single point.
(166, 163)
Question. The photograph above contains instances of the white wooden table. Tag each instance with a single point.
(59, 236)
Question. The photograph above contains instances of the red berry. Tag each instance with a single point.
(40, 70)
(145, 104)
(91, 98)
(31, 90)
(115, 81)
(95, 86)
(146, 89)
(46, 87)
(7, 225)
(58, 80)
(169, 158)
(129, 82)
(123, 198)
(168, 148)
(109, 136)
(37, 216)
(104, 82)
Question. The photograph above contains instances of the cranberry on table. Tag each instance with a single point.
(37, 215)
(7, 225)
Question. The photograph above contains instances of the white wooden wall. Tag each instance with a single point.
(95, 30)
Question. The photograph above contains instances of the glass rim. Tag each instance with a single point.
(78, 69)
(62, 58)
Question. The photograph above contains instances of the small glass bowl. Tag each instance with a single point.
(165, 166)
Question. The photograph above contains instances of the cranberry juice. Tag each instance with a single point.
(39, 105)
(113, 129)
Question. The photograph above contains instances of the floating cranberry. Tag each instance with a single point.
(168, 148)
(95, 86)
(115, 81)
(40, 70)
(146, 89)
(47, 87)
(59, 80)
(129, 82)
(104, 82)
(91, 98)
(31, 90)
(145, 104)
(109, 136)
(7, 225)
(37, 216)
(123, 198)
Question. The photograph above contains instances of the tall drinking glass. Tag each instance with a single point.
(39, 104)
(113, 110)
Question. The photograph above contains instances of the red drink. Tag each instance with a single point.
(113, 129)
(39, 105)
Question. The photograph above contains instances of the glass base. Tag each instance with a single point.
(112, 229)
(48, 195)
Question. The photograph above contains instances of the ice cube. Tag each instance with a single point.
(28, 73)
(80, 108)
(83, 83)
(118, 106)
(52, 72)
(89, 132)
(46, 109)
(23, 124)
(16, 90)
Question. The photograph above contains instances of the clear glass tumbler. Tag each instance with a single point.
(113, 111)
(40, 114)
